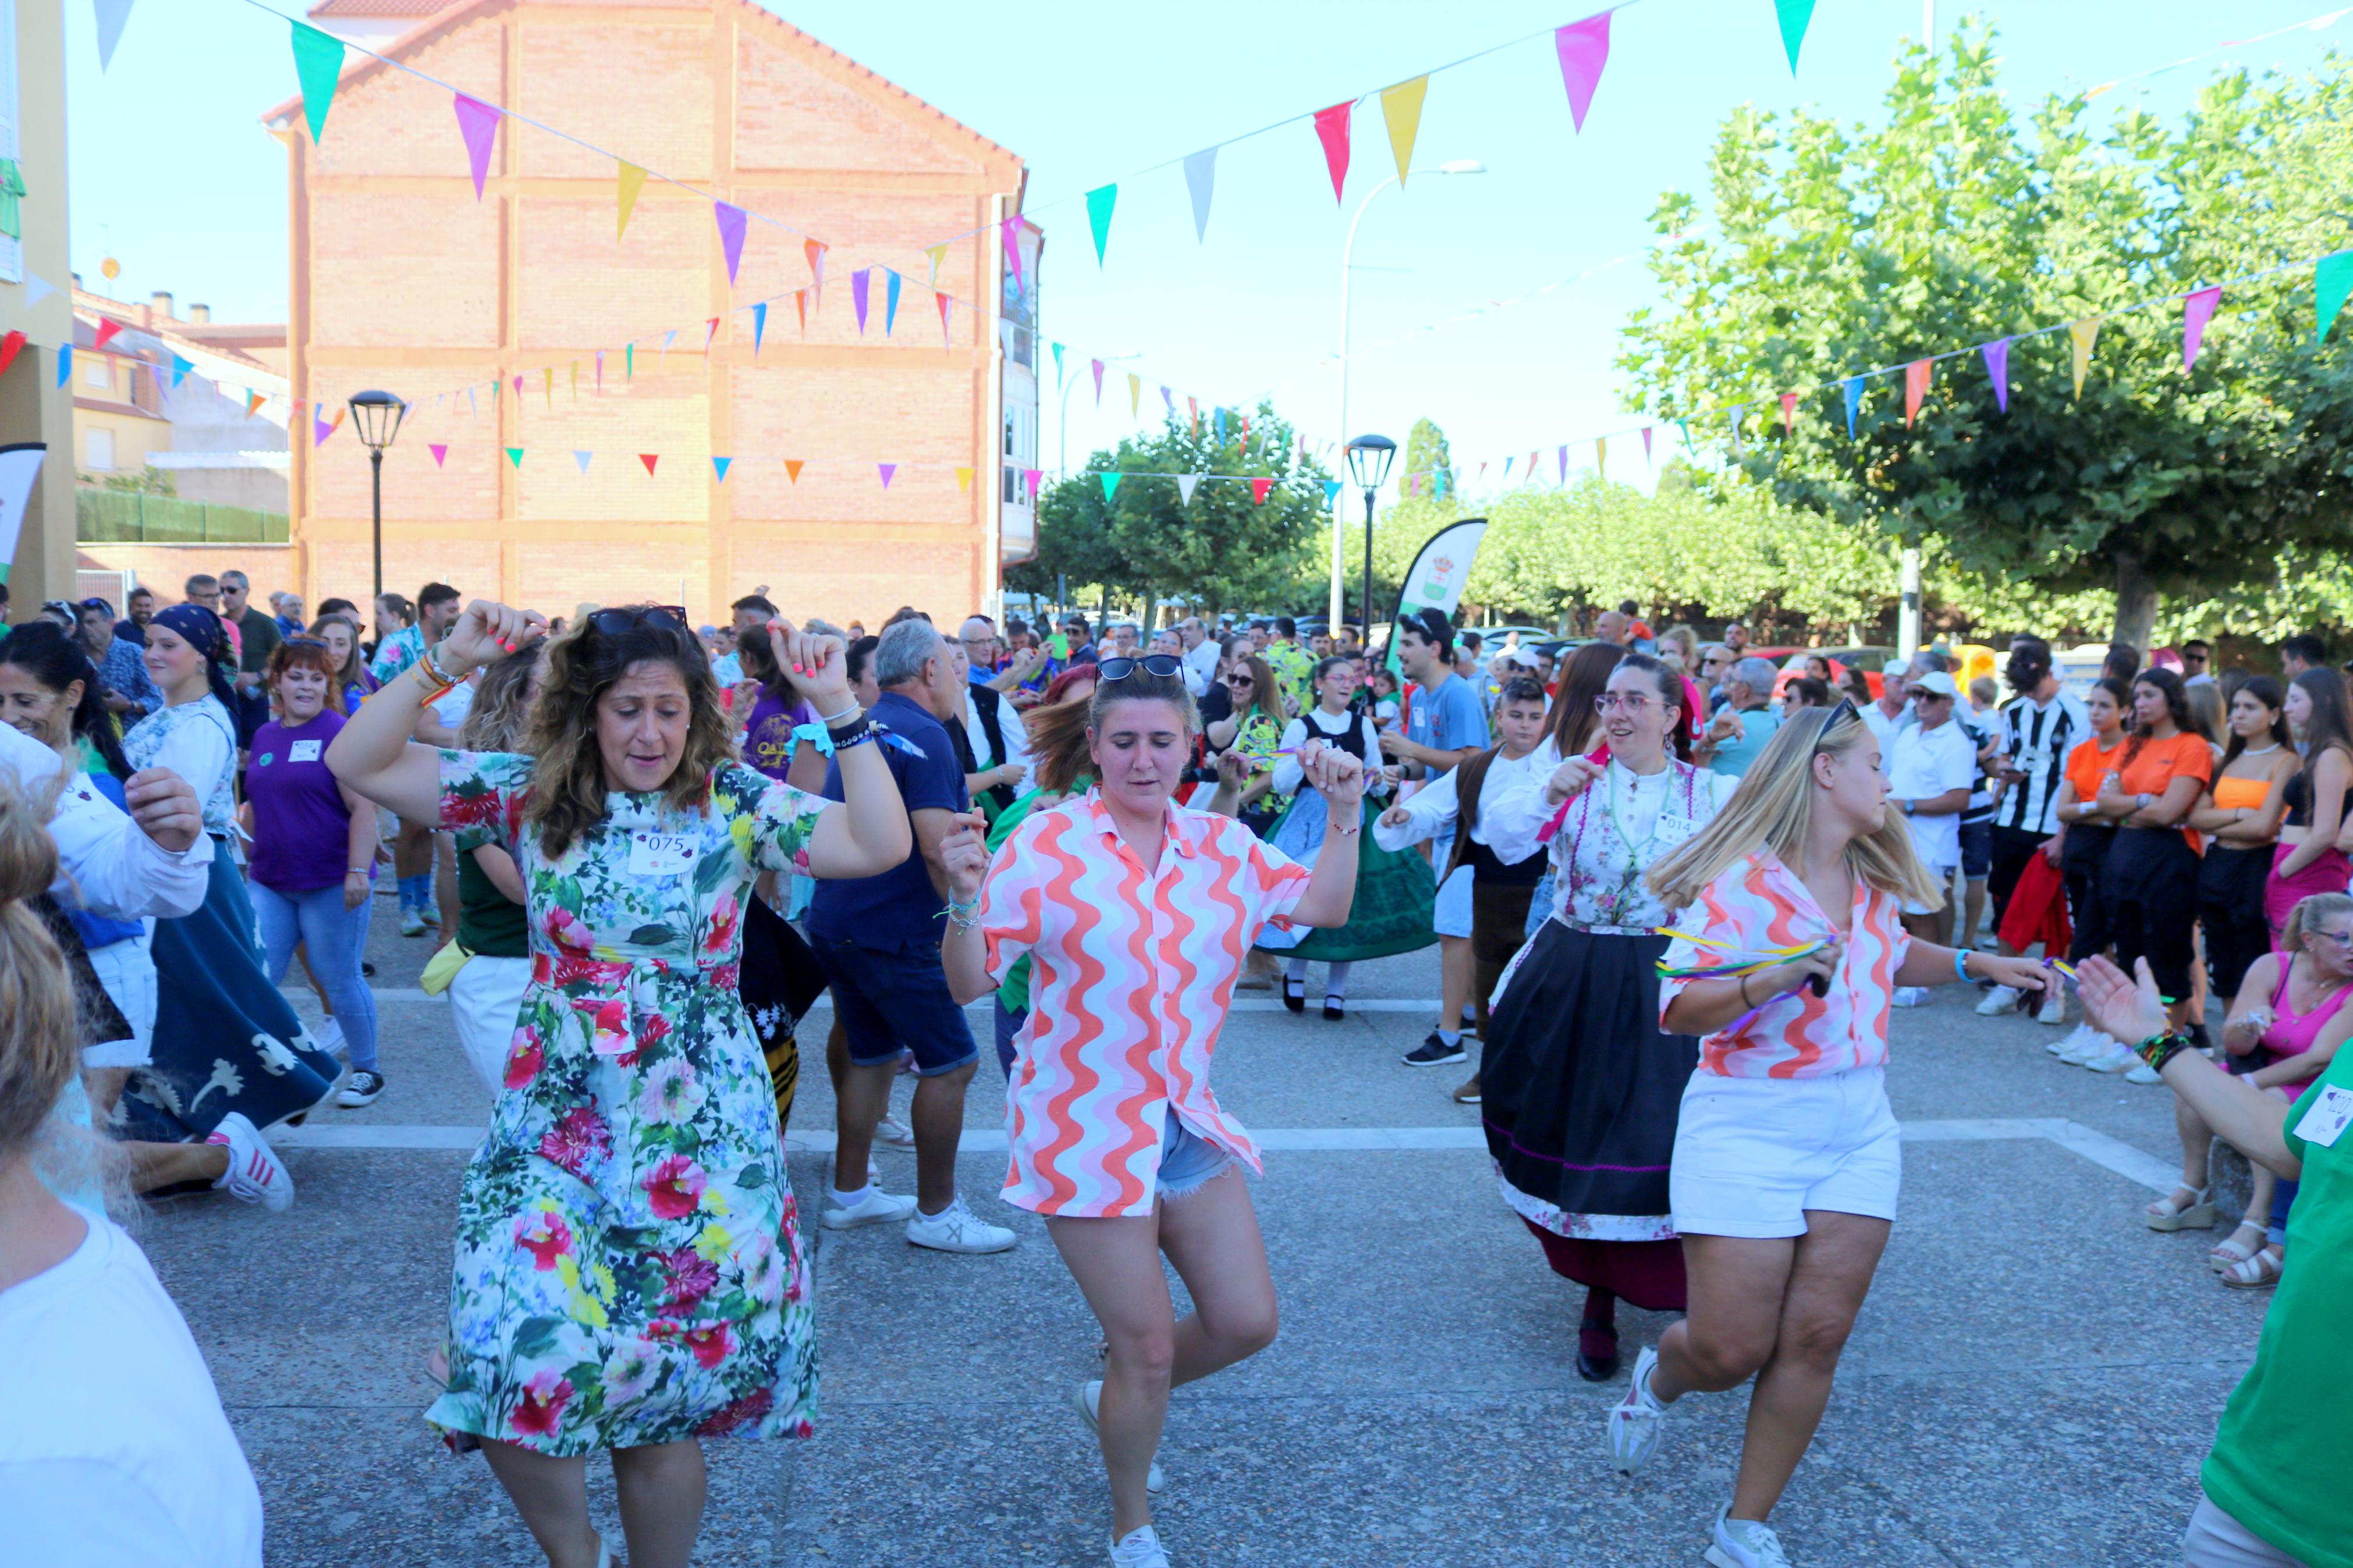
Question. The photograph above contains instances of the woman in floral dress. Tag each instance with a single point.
(628, 1272)
(1580, 1085)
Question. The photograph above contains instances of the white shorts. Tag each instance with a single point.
(128, 973)
(1752, 1154)
(1451, 916)
(484, 997)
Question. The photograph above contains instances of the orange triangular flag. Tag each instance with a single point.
(964, 478)
(253, 400)
(1916, 388)
(793, 469)
(650, 459)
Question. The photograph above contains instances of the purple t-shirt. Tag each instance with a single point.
(768, 736)
(301, 834)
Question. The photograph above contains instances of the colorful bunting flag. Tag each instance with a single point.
(478, 124)
(2332, 280)
(650, 459)
(1601, 455)
(64, 362)
(1852, 387)
(631, 180)
(710, 330)
(581, 457)
(1331, 130)
(1134, 393)
(1332, 491)
(793, 471)
(1099, 370)
(1010, 232)
(669, 338)
(1259, 488)
(547, 375)
(2083, 334)
(886, 470)
(719, 466)
(253, 400)
(1916, 388)
(1193, 412)
(730, 218)
(1794, 15)
(964, 480)
(1100, 202)
(514, 456)
(935, 253)
(890, 301)
(629, 361)
(945, 305)
(2197, 310)
(759, 326)
(1029, 477)
(1583, 49)
(815, 251)
(320, 431)
(1058, 366)
(1563, 459)
(1646, 446)
(1110, 485)
(600, 371)
(859, 281)
(1401, 110)
(1996, 363)
(1788, 414)
(13, 344)
(318, 65)
(111, 14)
(440, 450)
(1201, 181)
(107, 327)
(1186, 485)
(1507, 469)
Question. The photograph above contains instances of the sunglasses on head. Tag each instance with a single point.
(1164, 665)
(1845, 710)
(613, 622)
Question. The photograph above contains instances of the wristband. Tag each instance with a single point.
(2161, 1048)
(425, 678)
(1961, 965)
(834, 721)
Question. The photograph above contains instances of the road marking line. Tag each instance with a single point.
(825, 1003)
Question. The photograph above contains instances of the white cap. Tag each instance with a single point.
(1936, 683)
(1897, 667)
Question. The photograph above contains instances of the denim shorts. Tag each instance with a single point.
(889, 1000)
(1977, 849)
(1188, 1161)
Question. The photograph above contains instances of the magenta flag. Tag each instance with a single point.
(1996, 363)
(440, 450)
(1098, 364)
(1646, 444)
(478, 122)
(1583, 48)
(731, 236)
(1010, 231)
(1332, 129)
(2197, 310)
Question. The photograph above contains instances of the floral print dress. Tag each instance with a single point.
(628, 1269)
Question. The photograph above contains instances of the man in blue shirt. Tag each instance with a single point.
(1446, 725)
(125, 687)
(879, 940)
(1738, 733)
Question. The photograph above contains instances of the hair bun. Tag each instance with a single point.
(28, 856)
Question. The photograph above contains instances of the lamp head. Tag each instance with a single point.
(1368, 460)
(376, 415)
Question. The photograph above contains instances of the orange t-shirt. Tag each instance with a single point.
(2158, 763)
(2087, 766)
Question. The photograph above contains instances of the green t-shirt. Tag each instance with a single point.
(489, 923)
(1015, 992)
(2281, 1465)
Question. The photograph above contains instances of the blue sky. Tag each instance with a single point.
(174, 175)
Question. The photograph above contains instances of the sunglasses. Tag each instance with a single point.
(1238, 680)
(613, 622)
(1845, 710)
(301, 642)
(1164, 665)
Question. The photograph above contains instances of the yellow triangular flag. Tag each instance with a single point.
(1135, 391)
(964, 478)
(2083, 334)
(1401, 107)
(575, 381)
(633, 180)
(549, 373)
(938, 253)
(1601, 455)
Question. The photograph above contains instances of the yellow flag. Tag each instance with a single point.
(1601, 455)
(633, 180)
(937, 253)
(549, 372)
(575, 381)
(964, 480)
(1135, 392)
(1401, 107)
(2083, 334)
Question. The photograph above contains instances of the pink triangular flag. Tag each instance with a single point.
(945, 305)
(1010, 231)
(2197, 310)
(440, 450)
(1332, 129)
(650, 459)
(478, 122)
(1032, 476)
(1258, 490)
(1098, 364)
(886, 470)
(731, 235)
(1916, 388)
(1646, 446)
(107, 327)
(1788, 413)
(1583, 49)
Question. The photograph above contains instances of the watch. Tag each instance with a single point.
(1907, 808)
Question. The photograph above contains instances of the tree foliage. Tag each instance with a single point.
(1836, 251)
(1223, 550)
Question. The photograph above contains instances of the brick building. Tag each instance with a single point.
(401, 280)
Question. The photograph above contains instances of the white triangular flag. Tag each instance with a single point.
(38, 289)
(1185, 483)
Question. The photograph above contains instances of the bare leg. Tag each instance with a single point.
(104, 1087)
(154, 1165)
(552, 1494)
(412, 850)
(1831, 1274)
(1973, 903)
(936, 1115)
(1212, 1238)
(2197, 1143)
(862, 1095)
(2259, 1195)
(661, 1489)
(1456, 969)
(445, 884)
(1116, 1262)
(1737, 1286)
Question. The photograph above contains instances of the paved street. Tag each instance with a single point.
(2033, 1382)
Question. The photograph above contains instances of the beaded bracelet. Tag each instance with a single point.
(963, 917)
(2162, 1047)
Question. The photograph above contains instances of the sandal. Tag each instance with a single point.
(2257, 1273)
(2171, 1213)
(2229, 1253)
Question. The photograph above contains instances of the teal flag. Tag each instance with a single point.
(1111, 483)
(1794, 15)
(718, 469)
(2332, 280)
(318, 61)
(1058, 367)
(1099, 206)
(1330, 491)
(1853, 385)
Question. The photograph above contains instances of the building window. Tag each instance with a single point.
(98, 373)
(98, 450)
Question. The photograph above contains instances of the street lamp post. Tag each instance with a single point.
(1369, 457)
(376, 417)
(1348, 265)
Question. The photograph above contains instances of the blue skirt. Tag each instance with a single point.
(224, 1039)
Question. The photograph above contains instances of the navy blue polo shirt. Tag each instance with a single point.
(899, 911)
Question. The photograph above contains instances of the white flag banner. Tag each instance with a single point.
(20, 469)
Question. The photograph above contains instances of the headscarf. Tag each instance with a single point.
(201, 630)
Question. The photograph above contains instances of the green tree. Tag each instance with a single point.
(1426, 456)
(1223, 549)
(1838, 251)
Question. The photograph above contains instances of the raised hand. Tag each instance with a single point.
(964, 855)
(165, 808)
(485, 631)
(817, 665)
(2127, 1009)
(1336, 775)
(1570, 778)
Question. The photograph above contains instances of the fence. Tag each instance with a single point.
(132, 517)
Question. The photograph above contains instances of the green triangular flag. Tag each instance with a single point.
(2332, 280)
(1794, 15)
(629, 361)
(1099, 206)
(318, 61)
(514, 456)
(1111, 483)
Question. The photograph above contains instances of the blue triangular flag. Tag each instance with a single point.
(180, 369)
(1330, 491)
(1853, 387)
(581, 457)
(1217, 421)
(890, 301)
(1201, 179)
(64, 363)
(719, 468)
(759, 326)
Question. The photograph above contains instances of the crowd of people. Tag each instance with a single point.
(1677, 890)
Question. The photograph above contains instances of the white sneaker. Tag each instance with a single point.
(255, 1174)
(1637, 1421)
(1138, 1549)
(1910, 996)
(1997, 1001)
(1088, 1397)
(2054, 1010)
(893, 1134)
(956, 1229)
(1744, 1543)
(2089, 1049)
(2117, 1057)
(2141, 1072)
(329, 1037)
(877, 1207)
(2072, 1041)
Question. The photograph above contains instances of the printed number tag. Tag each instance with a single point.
(1675, 829)
(2328, 1117)
(303, 751)
(661, 854)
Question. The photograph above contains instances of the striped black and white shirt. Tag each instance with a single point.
(2036, 738)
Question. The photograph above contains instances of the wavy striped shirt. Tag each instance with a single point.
(1760, 904)
(1132, 971)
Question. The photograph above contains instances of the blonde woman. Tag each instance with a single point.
(1786, 1163)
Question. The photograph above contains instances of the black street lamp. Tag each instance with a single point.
(376, 417)
(1369, 457)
